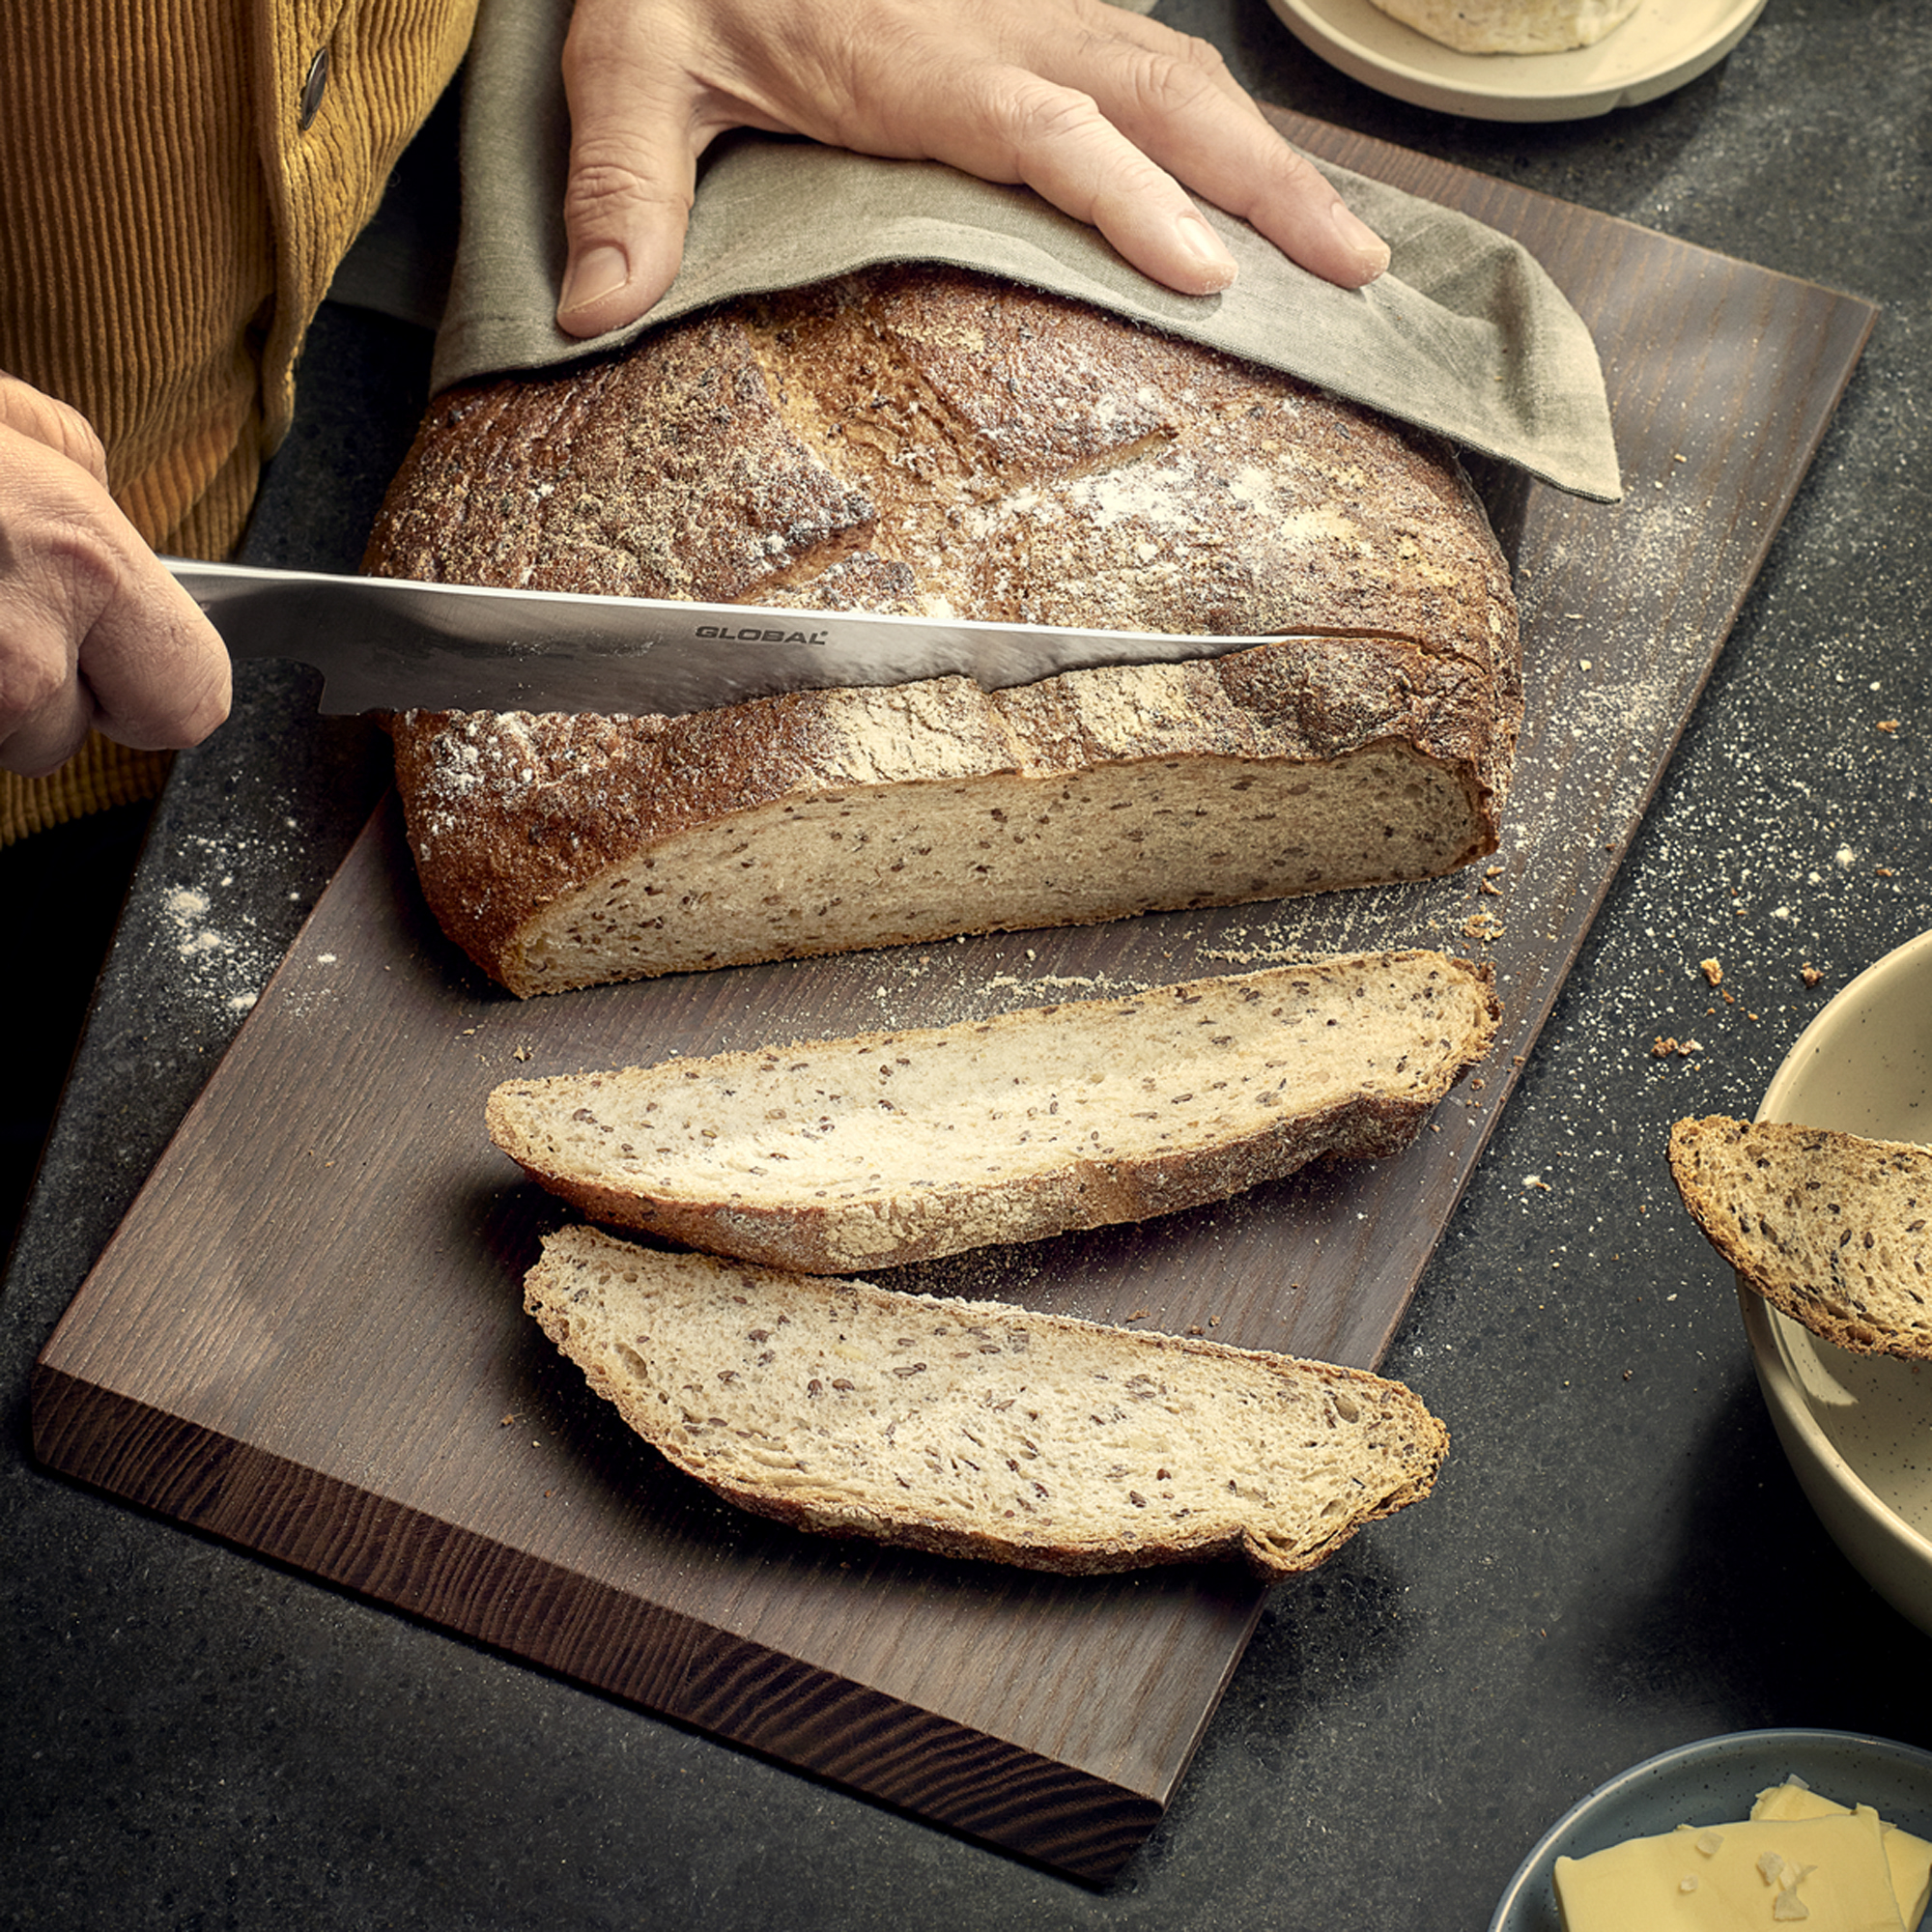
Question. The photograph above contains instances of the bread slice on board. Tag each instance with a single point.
(978, 1429)
(1832, 1228)
(926, 442)
(890, 1147)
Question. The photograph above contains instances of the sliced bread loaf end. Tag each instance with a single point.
(1832, 1228)
(890, 1147)
(979, 1429)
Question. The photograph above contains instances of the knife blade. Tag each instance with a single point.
(385, 643)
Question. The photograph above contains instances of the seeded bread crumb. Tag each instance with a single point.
(978, 1429)
(890, 1147)
(1832, 1228)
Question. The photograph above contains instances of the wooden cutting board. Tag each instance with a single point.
(307, 1335)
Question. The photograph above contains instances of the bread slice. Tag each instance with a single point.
(976, 1429)
(926, 442)
(1832, 1228)
(890, 1148)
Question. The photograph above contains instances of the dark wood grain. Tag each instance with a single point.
(307, 1339)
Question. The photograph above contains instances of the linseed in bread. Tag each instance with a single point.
(979, 1429)
(1832, 1228)
(891, 1148)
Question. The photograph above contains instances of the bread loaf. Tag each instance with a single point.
(928, 442)
(977, 1428)
(1832, 1228)
(891, 1148)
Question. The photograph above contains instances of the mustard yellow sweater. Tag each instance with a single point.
(179, 180)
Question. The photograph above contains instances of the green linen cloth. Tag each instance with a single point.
(1466, 334)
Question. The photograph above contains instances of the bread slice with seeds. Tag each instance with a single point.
(1832, 1228)
(889, 1148)
(978, 1429)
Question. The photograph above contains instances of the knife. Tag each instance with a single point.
(385, 643)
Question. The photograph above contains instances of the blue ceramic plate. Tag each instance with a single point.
(1712, 1782)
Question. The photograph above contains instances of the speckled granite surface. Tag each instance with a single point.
(1617, 1559)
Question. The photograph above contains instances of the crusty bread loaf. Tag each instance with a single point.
(978, 1429)
(892, 1147)
(931, 441)
(1832, 1228)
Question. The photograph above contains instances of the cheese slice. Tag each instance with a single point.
(1827, 1873)
(1910, 1858)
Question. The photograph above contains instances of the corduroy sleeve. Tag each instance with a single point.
(177, 181)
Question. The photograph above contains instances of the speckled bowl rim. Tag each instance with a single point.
(1875, 1527)
(1572, 1835)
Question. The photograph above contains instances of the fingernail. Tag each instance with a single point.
(1361, 238)
(1215, 264)
(598, 273)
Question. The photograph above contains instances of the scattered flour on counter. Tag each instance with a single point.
(225, 959)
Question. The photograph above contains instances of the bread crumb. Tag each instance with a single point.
(1662, 1047)
(1712, 971)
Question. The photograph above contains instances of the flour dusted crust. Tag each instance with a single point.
(1512, 26)
(931, 442)
(978, 1429)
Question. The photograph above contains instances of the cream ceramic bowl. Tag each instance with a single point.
(1857, 1428)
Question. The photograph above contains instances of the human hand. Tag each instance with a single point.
(94, 634)
(1107, 114)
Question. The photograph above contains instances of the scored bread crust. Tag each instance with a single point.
(929, 442)
(890, 1147)
(1834, 1230)
(981, 1430)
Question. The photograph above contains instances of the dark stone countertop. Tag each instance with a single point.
(1617, 1559)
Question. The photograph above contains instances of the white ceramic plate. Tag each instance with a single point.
(1663, 45)
(1857, 1428)
(1712, 1782)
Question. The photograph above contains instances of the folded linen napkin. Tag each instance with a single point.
(1466, 334)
